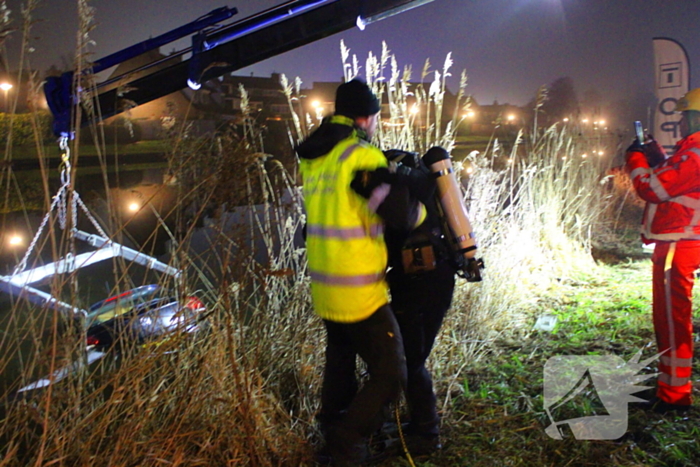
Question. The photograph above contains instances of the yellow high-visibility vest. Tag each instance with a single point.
(344, 236)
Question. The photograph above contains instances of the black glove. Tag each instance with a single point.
(652, 150)
(654, 153)
(472, 269)
(365, 181)
(636, 146)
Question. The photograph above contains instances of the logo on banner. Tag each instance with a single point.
(671, 75)
(671, 71)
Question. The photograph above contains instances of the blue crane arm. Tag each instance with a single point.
(59, 89)
(213, 17)
(222, 50)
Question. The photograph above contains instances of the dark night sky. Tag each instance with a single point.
(508, 47)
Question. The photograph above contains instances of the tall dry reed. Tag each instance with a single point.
(244, 391)
(534, 208)
(240, 392)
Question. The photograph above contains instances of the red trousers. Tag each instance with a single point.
(673, 276)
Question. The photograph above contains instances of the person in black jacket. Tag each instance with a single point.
(421, 280)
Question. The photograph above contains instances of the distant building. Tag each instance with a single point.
(265, 95)
(485, 119)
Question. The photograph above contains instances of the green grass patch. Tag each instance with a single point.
(498, 419)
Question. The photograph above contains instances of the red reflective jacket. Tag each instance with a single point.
(672, 192)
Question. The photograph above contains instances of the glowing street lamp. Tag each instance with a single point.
(15, 240)
(5, 87)
(318, 108)
(133, 206)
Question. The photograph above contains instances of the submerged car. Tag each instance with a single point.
(145, 313)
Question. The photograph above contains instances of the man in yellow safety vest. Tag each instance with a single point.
(347, 260)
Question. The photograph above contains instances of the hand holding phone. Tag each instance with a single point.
(639, 131)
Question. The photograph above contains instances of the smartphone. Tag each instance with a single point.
(639, 131)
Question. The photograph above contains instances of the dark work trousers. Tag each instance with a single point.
(420, 303)
(377, 340)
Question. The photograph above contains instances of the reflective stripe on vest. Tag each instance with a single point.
(330, 279)
(378, 196)
(673, 380)
(344, 233)
(658, 188)
(675, 361)
(639, 171)
(347, 152)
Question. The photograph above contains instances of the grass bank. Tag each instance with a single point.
(496, 414)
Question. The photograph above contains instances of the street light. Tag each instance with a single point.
(5, 87)
(15, 240)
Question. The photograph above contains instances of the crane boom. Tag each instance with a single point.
(224, 49)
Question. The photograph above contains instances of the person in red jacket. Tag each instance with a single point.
(671, 188)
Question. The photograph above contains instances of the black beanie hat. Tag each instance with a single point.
(355, 99)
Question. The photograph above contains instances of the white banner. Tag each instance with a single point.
(671, 83)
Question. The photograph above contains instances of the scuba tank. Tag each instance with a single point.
(453, 213)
